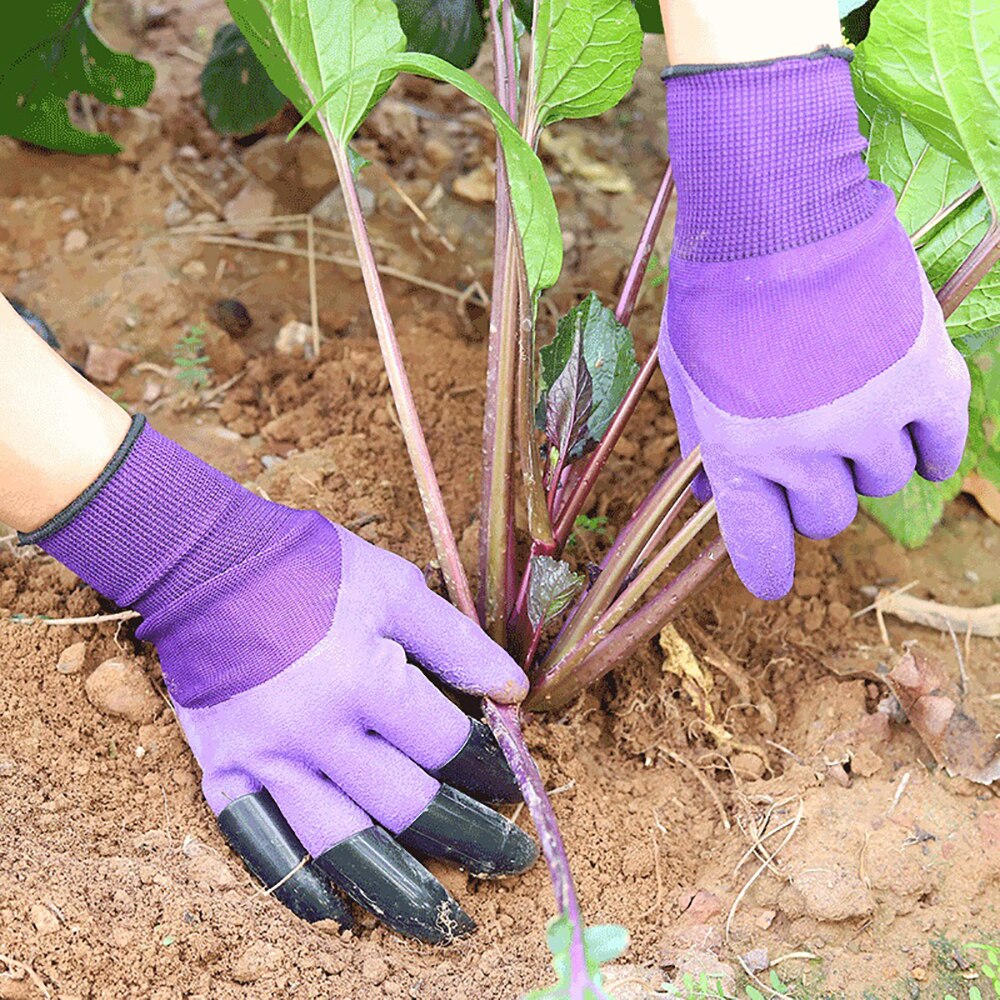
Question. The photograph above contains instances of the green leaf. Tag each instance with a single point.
(306, 45)
(754, 994)
(601, 944)
(534, 205)
(650, 16)
(586, 53)
(235, 88)
(49, 51)
(610, 355)
(453, 30)
(605, 942)
(937, 62)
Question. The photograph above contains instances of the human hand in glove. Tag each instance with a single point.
(295, 655)
(803, 347)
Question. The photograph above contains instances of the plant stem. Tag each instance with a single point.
(622, 556)
(938, 217)
(496, 499)
(971, 271)
(644, 251)
(555, 689)
(406, 408)
(571, 507)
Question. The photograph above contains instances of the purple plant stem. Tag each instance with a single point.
(406, 408)
(573, 504)
(938, 217)
(971, 271)
(555, 689)
(621, 557)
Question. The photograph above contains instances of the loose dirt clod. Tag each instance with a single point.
(120, 687)
(258, 960)
(43, 919)
(105, 364)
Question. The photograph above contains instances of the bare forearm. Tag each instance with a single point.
(727, 31)
(57, 431)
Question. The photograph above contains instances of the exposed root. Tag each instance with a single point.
(705, 783)
(983, 621)
(13, 965)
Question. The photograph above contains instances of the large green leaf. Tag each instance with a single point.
(938, 62)
(237, 93)
(306, 45)
(601, 944)
(453, 30)
(49, 50)
(586, 54)
(649, 16)
(534, 205)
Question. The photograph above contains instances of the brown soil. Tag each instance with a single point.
(113, 880)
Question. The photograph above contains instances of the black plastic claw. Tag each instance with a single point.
(480, 768)
(260, 835)
(381, 876)
(457, 828)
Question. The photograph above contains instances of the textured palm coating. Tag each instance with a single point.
(803, 348)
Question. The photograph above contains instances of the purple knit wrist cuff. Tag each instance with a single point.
(216, 571)
(766, 156)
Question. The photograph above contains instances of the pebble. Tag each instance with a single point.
(105, 364)
(120, 687)
(330, 208)
(477, 186)
(43, 919)
(252, 202)
(211, 870)
(6, 767)
(316, 169)
(177, 213)
(194, 269)
(75, 241)
(295, 337)
(69, 215)
(71, 658)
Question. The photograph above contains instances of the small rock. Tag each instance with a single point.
(105, 364)
(233, 317)
(270, 158)
(152, 391)
(316, 169)
(330, 208)
(477, 186)
(141, 129)
(6, 767)
(756, 960)
(177, 213)
(71, 658)
(832, 894)
(252, 202)
(439, 154)
(295, 337)
(194, 269)
(43, 919)
(188, 153)
(259, 959)
(704, 906)
(120, 687)
(270, 461)
(75, 241)
(765, 918)
(69, 215)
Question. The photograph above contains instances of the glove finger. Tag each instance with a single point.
(454, 647)
(939, 437)
(435, 733)
(380, 875)
(826, 503)
(411, 805)
(885, 466)
(757, 527)
(257, 831)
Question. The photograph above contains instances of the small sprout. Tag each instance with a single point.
(192, 365)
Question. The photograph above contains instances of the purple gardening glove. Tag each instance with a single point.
(286, 646)
(803, 347)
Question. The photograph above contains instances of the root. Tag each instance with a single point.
(983, 621)
(13, 965)
(705, 783)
